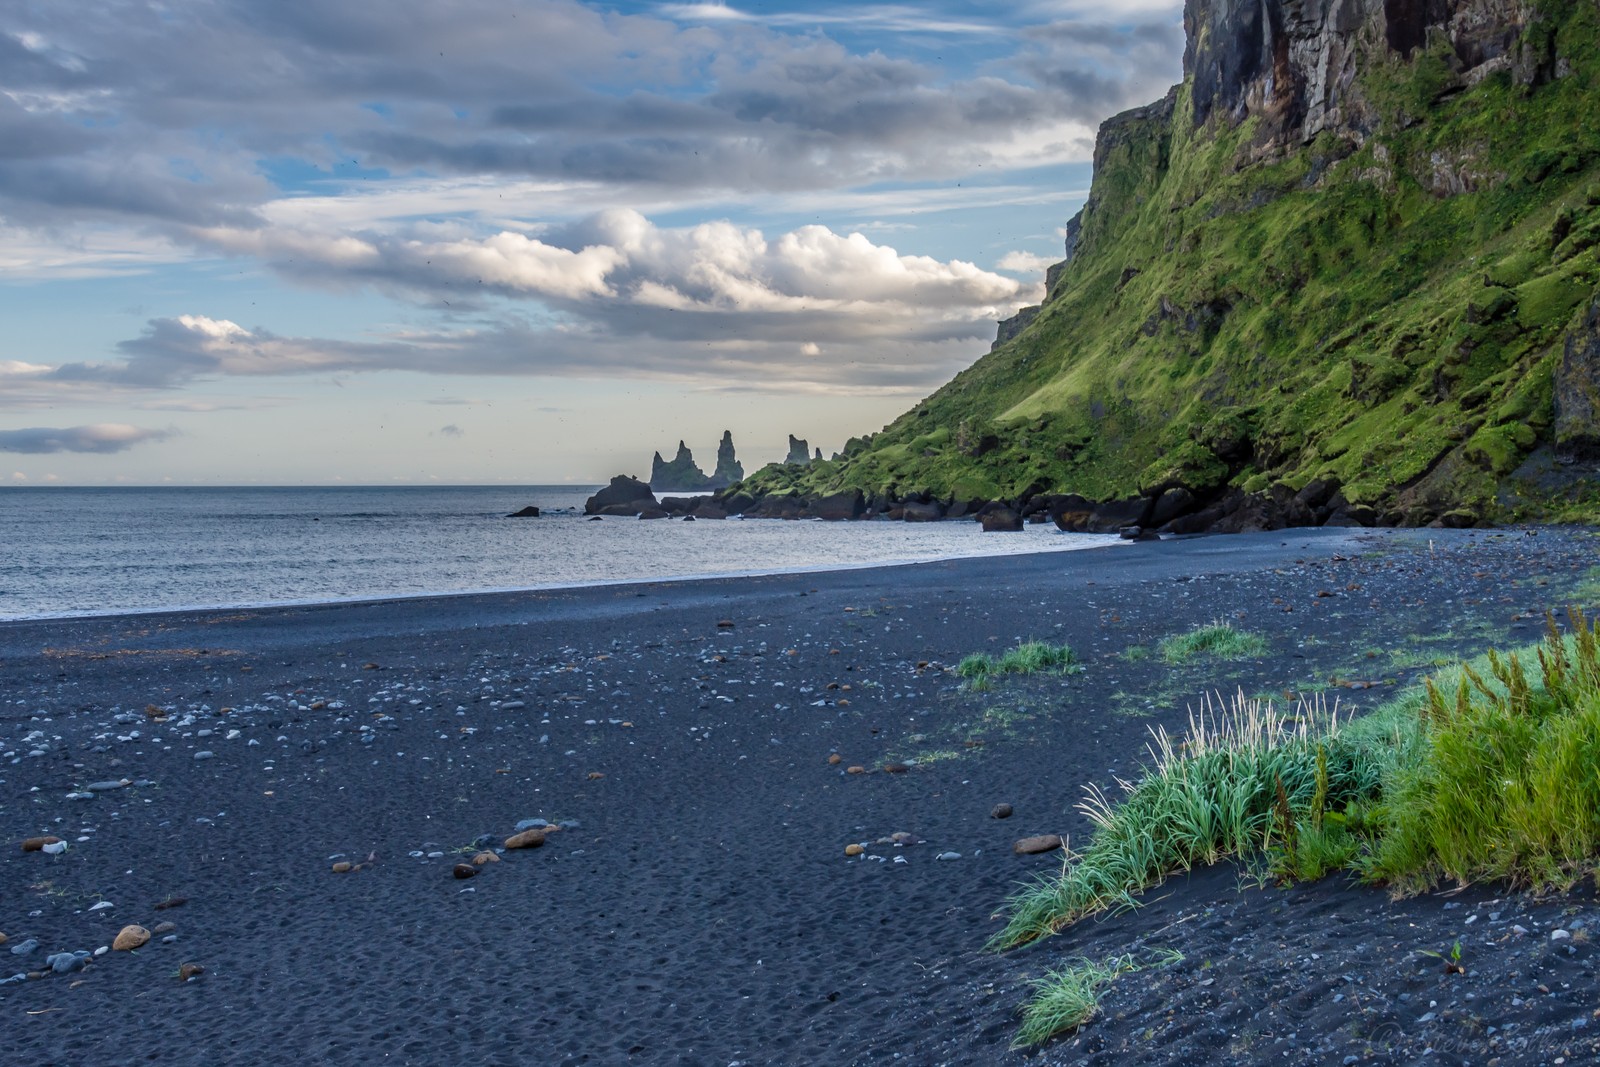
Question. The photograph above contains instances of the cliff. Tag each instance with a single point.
(681, 475)
(1347, 270)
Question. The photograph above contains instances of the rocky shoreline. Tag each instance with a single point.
(295, 790)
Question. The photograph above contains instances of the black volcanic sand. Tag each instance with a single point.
(699, 907)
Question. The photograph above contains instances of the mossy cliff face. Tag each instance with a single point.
(1356, 251)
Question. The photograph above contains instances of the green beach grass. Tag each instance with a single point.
(1030, 657)
(1487, 772)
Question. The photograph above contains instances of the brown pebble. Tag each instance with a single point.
(369, 666)
(1001, 811)
(130, 938)
(2, 939)
(36, 844)
(484, 857)
(343, 867)
(1028, 846)
(853, 850)
(595, 776)
(172, 902)
(190, 970)
(162, 928)
(835, 759)
(724, 624)
(527, 839)
(895, 768)
(465, 870)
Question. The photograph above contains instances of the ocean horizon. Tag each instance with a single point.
(103, 550)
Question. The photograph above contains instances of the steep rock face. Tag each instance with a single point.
(681, 475)
(1577, 390)
(729, 469)
(1293, 63)
(799, 451)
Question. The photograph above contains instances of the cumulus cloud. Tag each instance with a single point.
(102, 438)
(1024, 262)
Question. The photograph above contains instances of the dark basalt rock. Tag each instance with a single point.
(839, 506)
(624, 492)
(729, 469)
(681, 474)
(799, 451)
(1000, 520)
(914, 511)
(1577, 391)
(529, 512)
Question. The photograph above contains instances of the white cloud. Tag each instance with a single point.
(101, 437)
(1024, 262)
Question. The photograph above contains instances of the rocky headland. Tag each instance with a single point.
(1346, 273)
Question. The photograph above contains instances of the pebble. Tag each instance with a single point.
(1559, 935)
(531, 824)
(102, 906)
(343, 867)
(948, 856)
(1000, 811)
(205, 754)
(526, 839)
(130, 938)
(190, 970)
(163, 928)
(36, 844)
(1029, 846)
(853, 850)
(68, 962)
(22, 948)
(105, 787)
(464, 870)
(54, 848)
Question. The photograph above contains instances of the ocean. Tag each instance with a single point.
(94, 551)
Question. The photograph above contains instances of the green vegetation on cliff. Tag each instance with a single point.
(1385, 305)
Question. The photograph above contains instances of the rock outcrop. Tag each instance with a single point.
(1577, 391)
(799, 451)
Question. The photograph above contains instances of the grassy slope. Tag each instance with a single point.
(1326, 305)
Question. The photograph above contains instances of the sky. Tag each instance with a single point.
(522, 241)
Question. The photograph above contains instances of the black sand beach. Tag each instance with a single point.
(697, 905)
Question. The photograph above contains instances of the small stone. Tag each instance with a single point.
(190, 970)
(101, 906)
(172, 902)
(724, 624)
(130, 938)
(1519, 929)
(853, 850)
(1560, 935)
(163, 928)
(343, 867)
(204, 755)
(36, 844)
(1029, 846)
(484, 857)
(895, 768)
(1000, 811)
(526, 839)
(595, 776)
(68, 962)
(530, 824)
(835, 759)
(855, 770)
(948, 856)
(54, 848)
(105, 787)
(2, 939)
(22, 948)
(170, 939)
(465, 870)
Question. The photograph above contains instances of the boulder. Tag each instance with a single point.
(652, 513)
(624, 511)
(529, 512)
(1170, 504)
(929, 512)
(623, 491)
(839, 506)
(1000, 520)
(1070, 512)
(708, 509)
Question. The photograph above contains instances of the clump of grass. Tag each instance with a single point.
(1030, 657)
(1067, 998)
(1207, 797)
(1504, 784)
(1219, 640)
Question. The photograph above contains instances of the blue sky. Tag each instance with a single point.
(304, 242)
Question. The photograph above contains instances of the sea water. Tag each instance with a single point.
(89, 551)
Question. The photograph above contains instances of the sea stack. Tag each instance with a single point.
(729, 469)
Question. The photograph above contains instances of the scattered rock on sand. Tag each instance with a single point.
(853, 850)
(190, 970)
(163, 928)
(130, 938)
(1001, 811)
(484, 857)
(895, 768)
(835, 759)
(855, 770)
(465, 870)
(527, 839)
(22, 948)
(1028, 846)
(36, 844)
(172, 902)
(343, 867)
